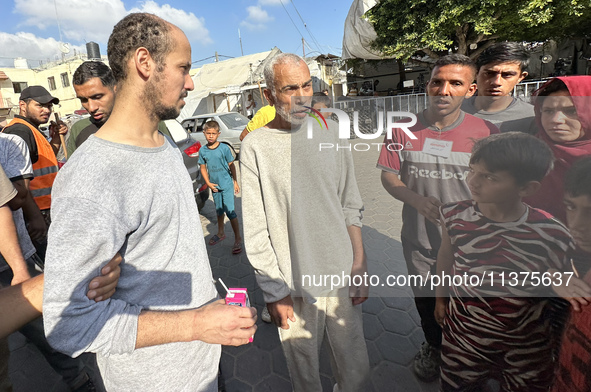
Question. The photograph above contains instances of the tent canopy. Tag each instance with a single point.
(359, 33)
(226, 77)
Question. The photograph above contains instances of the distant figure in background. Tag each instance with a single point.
(375, 85)
(218, 171)
(353, 91)
(250, 107)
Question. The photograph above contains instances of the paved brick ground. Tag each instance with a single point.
(391, 322)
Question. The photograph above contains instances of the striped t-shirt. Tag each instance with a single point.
(505, 251)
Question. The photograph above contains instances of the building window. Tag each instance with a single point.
(19, 87)
(65, 80)
(51, 82)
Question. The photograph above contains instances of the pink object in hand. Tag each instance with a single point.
(238, 297)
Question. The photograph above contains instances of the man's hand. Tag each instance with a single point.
(213, 187)
(20, 276)
(37, 228)
(578, 293)
(359, 293)
(229, 325)
(57, 129)
(236, 188)
(103, 287)
(429, 208)
(281, 311)
(440, 310)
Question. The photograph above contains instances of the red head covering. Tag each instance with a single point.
(549, 197)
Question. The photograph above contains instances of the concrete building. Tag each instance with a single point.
(56, 77)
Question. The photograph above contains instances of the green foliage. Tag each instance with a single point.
(435, 26)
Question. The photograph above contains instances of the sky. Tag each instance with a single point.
(33, 29)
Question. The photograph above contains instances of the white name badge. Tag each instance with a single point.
(440, 148)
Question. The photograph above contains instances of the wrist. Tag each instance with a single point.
(195, 323)
(359, 261)
(190, 319)
(415, 200)
(21, 272)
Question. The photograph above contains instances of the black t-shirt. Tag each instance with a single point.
(27, 135)
(90, 129)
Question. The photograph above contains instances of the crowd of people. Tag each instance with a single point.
(110, 247)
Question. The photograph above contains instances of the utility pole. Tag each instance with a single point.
(216, 56)
(303, 47)
(240, 38)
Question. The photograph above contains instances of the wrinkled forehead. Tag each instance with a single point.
(560, 98)
(287, 74)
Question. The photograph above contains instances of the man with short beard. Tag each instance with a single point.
(94, 85)
(302, 216)
(95, 88)
(126, 190)
(35, 107)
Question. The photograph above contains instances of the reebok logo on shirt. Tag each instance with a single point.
(440, 174)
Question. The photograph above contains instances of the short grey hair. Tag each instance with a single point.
(282, 58)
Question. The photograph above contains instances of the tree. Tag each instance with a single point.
(404, 27)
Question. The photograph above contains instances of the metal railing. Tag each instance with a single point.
(526, 89)
(369, 108)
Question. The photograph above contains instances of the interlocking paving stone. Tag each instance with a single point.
(401, 302)
(273, 383)
(266, 337)
(394, 378)
(236, 385)
(397, 321)
(374, 354)
(253, 365)
(396, 348)
(373, 305)
(279, 364)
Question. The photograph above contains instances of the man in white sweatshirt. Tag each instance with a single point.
(302, 220)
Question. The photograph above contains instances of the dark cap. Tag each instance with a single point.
(39, 94)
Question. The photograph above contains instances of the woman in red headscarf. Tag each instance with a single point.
(563, 116)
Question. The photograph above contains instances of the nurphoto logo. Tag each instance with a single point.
(392, 120)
